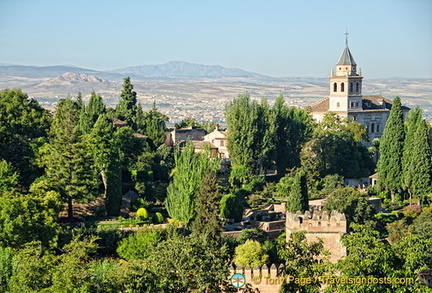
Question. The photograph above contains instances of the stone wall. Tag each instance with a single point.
(266, 279)
(328, 227)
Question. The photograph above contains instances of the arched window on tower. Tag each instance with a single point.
(342, 87)
(351, 87)
(335, 87)
(357, 87)
(373, 127)
(338, 104)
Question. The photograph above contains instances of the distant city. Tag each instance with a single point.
(182, 89)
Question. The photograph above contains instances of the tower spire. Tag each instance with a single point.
(346, 37)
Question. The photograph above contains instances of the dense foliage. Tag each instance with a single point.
(83, 152)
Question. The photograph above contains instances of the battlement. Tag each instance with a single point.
(318, 222)
(267, 279)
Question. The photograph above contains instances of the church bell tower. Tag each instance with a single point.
(345, 85)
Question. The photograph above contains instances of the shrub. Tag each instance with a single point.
(250, 253)
(137, 246)
(158, 218)
(142, 214)
(231, 207)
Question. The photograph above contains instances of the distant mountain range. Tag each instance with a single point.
(173, 69)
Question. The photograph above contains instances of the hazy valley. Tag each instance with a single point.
(182, 89)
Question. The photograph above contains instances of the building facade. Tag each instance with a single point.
(346, 98)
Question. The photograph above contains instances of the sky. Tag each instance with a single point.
(304, 38)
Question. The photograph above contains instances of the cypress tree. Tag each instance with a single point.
(298, 199)
(127, 108)
(207, 220)
(419, 172)
(391, 149)
(413, 121)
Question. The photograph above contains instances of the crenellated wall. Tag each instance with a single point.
(266, 279)
(328, 227)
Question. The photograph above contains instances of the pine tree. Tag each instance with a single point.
(95, 107)
(153, 125)
(69, 166)
(127, 108)
(391, 151)
(419, 172)
(207, 220)
(298, 199)
(413, 121)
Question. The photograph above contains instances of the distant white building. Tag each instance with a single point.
(219, 138)
(346, 99)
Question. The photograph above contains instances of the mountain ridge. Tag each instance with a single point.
(171, 69)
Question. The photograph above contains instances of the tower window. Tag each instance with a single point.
(338, 104)
(335, 87)
(357, 104)
(351, 87)
(373, 127)
(378, 128)
(357, 87)
(342, 87)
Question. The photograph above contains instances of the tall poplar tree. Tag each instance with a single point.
(391, 151)
(419, 172)
(127, 108)
(247, 143)
(186, 182)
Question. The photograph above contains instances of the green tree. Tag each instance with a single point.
(300, 258)
(127, 108)
(194, 263)
(105, 150)
(246, 121)
(349, 201)
(23, 128)
(153, 125)
(95, 107)
(371, 257)
(423, 223)
(29, 218)
(255, 234)
(336, 148)
(32, 269)
(413, 121)
(69, 166)
(207, 220)
(391, 151)
(8, 177)
(298, 199)
(6, 263)
(250, 253)
(189, 171)
(290, 128)
(418, 175)
(231, 207)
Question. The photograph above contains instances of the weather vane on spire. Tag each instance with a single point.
(346, 37)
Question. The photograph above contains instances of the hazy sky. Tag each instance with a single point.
(387, 38)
